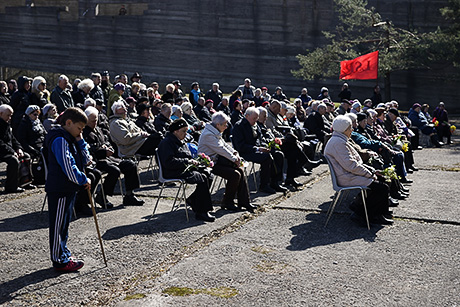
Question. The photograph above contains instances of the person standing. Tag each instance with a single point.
(67, 156)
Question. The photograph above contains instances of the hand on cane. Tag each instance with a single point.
(87, 185)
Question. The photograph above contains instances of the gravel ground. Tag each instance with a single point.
(281, 255)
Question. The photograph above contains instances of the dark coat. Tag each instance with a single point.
(97, 93)
(62, 99)
(216, 97)
(235, 117)
(8, 143)
(4, 99)
(19, 101)
(31, 135)
(174, 157)
(161, 124)
(167, 96)
(203, 113)
(315, 125)
(246, 138)
(38, 101)
(96, 139)
(148, 126)
(225, 109)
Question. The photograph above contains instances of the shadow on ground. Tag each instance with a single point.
(340, 229)
(25, 222)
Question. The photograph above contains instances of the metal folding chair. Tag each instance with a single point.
(343, 191)
(164, 181)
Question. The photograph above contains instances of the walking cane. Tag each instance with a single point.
(97, 225)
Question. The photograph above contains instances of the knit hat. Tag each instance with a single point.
(177, 124)
(341, 123)
(32, 108)
(47, 107)
(416, 105)
(394, 111)
(361, 116)
(356, 105)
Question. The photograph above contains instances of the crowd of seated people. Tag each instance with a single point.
(126, 120)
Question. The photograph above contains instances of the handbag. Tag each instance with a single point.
(25, 173)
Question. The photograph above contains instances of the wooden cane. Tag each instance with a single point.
(97, 225)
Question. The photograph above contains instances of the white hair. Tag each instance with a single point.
(186, 107)
(250, 111)
(216, 84)
(290, 110)
(352, 116)
(63, 77)
(89, 102)
(118, 105)
(36, 82)
(220, 118)
(86, 84)
(262, 110)
(321, 105)
(342, 123)
(91, 110)
(6, 107)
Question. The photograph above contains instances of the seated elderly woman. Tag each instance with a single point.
(351, 171)
(31, 133)
(227, 162)
(174, 156)
(419, 120)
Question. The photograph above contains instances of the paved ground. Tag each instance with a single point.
(281, 255)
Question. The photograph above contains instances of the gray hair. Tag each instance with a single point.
(250, 111)
(262, 110)
(91, 110)
(290, 110)
(6, 107)
(118, 105)
(63, 77)
(36, 82)
(321, 105)
(352, 116)
(86, 84)
(186, 107)
(341, 123)
(219, 118)
(216, 84)
(3, 84)
(89, 102)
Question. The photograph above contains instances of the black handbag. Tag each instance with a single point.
(25, 173)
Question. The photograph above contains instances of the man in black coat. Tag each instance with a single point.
(247, 140)
(102, 152)
(10, 152)
(315, 123)
(162, 120)
(20, 100)
(143, 120)
(201, 111)
(215, 94)
(174, 156)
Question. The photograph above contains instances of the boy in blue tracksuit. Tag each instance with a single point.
(67, 155)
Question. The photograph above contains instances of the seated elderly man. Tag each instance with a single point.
(174, 156)
(351, 171)
(11, 152)
(163, 120)
(247, 140)
(201, 111)
(129, 138)
(226, 162)
(419, 120)
(102, 152)
(31, 133)
(315, 123)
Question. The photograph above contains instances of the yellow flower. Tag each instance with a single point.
(452, 129)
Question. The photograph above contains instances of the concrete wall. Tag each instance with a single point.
(200, 40)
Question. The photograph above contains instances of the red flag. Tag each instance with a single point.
(362, 68)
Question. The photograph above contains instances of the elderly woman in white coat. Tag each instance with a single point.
(226, 162)
(351, 171)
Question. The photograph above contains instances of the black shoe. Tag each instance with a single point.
(413, 168)
(251, 208)
(230, 207)
(29, 186)
(266, 189)
(409, 171)
(204, 216)
(382, 220)
(405, 180)
(18, 190)
(419, 148)
(131, 200)
(304, 172)
(398, 195)
(392, 202)
(100, 200)
(278, 188)
(292, 182)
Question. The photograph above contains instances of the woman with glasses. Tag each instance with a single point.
(39, 94)
(31, 133)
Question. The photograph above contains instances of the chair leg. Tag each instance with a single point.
(175, 199)
(44, 202)
(365, 209)
(332, 207)
(121, 186)
(158, 199)
(103, 194)
(185, 201)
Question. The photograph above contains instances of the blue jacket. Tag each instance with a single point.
(66, 160)
(365, 143)
(418, 119)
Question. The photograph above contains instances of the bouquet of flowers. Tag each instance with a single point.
(275, 143)
(452, 129)
(390, 173)
(435, 122)
(203, 160)
(405, 147)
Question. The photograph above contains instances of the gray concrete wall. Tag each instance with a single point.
(205, 41)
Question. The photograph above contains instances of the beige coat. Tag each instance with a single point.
(212, 144)
(347, 163)
(126, 134)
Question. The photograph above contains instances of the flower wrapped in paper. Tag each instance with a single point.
(390, 173)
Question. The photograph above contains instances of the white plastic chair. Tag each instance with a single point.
(164, 181)
(339, 191)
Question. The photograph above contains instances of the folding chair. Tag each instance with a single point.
(252, 171)
(337, 197)
(152, 165)
(163, 181)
